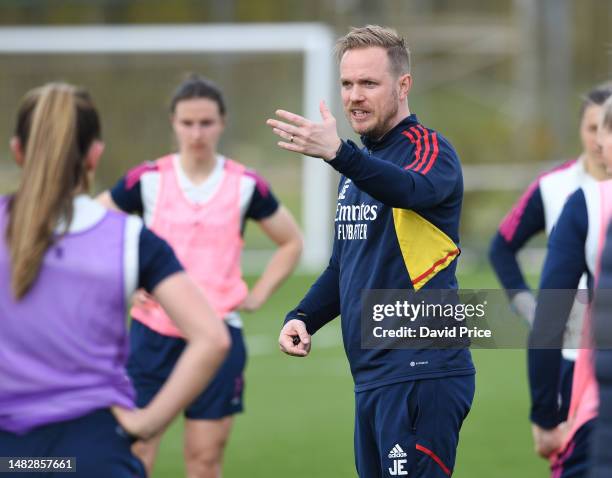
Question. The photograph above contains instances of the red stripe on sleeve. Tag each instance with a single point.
(435, 264)
(427, 148)
(435, 458)
(417, 134)
(434, 154)
(409, 136)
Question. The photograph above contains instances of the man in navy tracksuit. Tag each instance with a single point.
(396, 227)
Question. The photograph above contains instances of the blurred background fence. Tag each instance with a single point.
(501, 79)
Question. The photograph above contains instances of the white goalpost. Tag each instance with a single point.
(314, 41)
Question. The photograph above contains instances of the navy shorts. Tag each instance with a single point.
(574, 461)
(100, 446)
(153, 356)
(411, 428)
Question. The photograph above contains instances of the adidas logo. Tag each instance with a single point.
(397, 452)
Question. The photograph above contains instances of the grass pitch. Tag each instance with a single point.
(298, 421)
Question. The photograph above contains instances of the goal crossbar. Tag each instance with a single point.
(314, 41)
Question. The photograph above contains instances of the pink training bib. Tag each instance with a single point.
(205, 237)
(585, 392)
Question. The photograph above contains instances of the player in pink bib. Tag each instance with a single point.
(601, 459)
(575, 246)
(206, 238)
(199, 202)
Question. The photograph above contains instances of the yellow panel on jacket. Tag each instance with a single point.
(425, 248)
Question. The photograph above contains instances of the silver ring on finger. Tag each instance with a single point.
(291, 139)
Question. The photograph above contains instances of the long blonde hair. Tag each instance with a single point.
(56, 125)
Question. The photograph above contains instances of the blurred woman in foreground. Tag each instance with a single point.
(67, 269)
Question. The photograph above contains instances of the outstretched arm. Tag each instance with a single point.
(395, 186)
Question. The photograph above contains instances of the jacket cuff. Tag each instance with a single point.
(344, 156)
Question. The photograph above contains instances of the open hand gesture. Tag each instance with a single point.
(301, 135)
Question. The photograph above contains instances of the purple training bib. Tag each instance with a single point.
(64, 346)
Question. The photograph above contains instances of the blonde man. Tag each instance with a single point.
(396, 227)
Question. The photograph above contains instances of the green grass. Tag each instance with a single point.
(299, 412)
